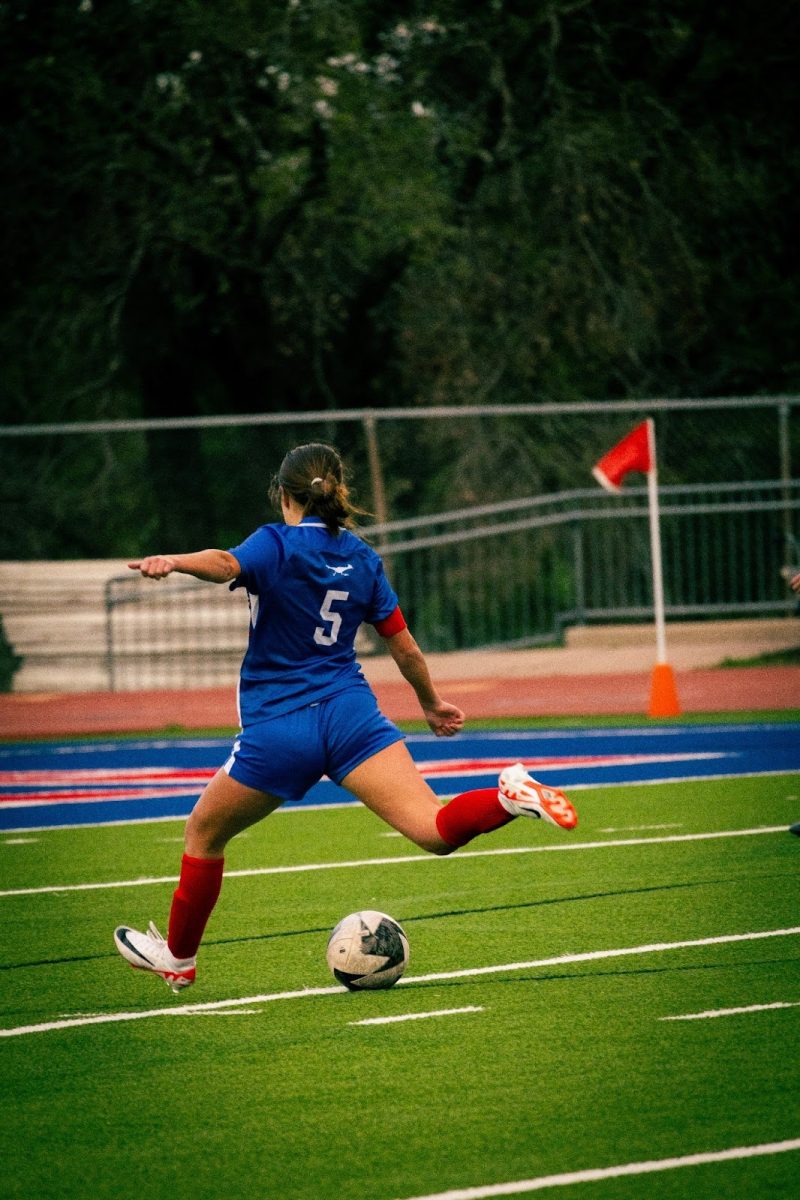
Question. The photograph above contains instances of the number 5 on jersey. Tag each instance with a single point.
(327, 637)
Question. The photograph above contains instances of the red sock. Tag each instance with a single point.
(192, 903)
(469, 814)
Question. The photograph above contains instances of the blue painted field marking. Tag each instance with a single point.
(53, 785)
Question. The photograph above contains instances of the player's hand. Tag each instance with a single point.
(794, 582)
(444, 719)
(155, 566)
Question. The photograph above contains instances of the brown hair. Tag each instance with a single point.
(313, 476)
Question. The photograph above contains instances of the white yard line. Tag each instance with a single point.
(227, 1012)
(179, 1010)
(419, 1016)
(596, 1174)
(596, 955)
(399, 859)
(732, 1012)
(560, 960)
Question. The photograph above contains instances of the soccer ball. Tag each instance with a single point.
(367, 950)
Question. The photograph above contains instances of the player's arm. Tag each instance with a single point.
(214, 566)
(794, 582)
(444, 719)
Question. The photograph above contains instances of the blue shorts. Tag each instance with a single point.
(288, 754)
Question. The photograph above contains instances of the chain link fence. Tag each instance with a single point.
(504, 568)
(104, 489)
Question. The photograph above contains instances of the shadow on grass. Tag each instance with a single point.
(407, 920)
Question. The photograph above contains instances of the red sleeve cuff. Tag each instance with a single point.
(392, 624)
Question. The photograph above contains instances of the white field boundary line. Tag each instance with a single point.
(619, 731)
(250, 872)
(559, 960)
(25, 749)
(597, 1174)
(419, 1016)
(101, 745)
(304, 808)
(710, 1013)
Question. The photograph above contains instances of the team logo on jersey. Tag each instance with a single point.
(339, 570)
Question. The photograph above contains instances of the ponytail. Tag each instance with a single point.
(313, 476)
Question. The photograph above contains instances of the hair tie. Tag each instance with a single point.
(316, 479)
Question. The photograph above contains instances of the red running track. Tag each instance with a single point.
(36, 715)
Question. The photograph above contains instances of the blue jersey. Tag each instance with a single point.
(308, 592)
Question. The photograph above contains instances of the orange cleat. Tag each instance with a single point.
(523, 796)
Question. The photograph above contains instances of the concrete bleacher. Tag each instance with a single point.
(178, 633)
(54, 618)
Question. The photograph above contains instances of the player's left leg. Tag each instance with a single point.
(225, 808)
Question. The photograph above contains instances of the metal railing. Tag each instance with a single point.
(760, 437)
(503, 575)
(516, 574)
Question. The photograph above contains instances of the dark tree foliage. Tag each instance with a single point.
(262, 206)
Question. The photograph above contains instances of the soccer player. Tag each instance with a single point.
(306, 709)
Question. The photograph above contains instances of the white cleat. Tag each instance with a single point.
(522, 796)
(150, 952)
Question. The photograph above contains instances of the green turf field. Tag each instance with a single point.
(557, 1067)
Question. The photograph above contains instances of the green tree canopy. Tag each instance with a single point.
(231, 207)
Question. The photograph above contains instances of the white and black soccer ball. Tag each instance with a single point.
(367, 949)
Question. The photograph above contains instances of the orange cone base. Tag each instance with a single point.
(663, 693)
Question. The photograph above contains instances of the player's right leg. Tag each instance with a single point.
(523, 796)
(390, 785)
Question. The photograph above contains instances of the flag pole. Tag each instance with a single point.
(663, 693)
(655, 545)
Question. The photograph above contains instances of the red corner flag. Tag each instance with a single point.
(634, 453)
(637, 452)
